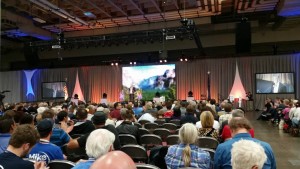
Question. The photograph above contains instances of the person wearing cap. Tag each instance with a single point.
(44, 150)
(98, 120)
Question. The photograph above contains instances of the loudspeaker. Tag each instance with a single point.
(31, 56)
(243, 37)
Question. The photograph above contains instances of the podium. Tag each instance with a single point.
(249, 105)
(103, 101)
(190, 98)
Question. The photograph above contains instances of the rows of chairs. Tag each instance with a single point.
(65, 164)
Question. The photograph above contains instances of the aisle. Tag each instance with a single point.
(285, 147)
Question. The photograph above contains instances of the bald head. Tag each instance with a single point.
(115, 160)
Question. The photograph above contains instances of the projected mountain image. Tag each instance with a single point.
(147, 80)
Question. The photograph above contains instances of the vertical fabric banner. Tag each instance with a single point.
(237, 90)
(77, 89)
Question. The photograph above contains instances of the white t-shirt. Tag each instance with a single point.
(215, 126)
(148, 117)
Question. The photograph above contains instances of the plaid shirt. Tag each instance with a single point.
(199, 158)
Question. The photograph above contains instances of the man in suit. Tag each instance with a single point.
(278, 87)
(56, 91)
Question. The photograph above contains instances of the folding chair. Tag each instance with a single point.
(211, 152)
(138, 125)
(150, 140)
(172, 139)
(170, 126)
(208, 142)
(162, 132)
(160, 122)
(143, 122)
(176, 122)
(143, 131)
(61, 164)
(127, 139)
(136, 152)
(151, 126)
(146, 166)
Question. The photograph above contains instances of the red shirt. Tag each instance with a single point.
(226, 133)
(168, 114)
(116, 114)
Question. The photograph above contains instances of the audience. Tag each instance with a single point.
(208, 127)
(227, 115)
(239, 129)
(98, 120)
(115, 114)
(22, 140)
(63, 122)
(99, 143)
(7, 126)
(127, 127)
(59, 137)
(226, 133)
(26, 119)
(82, 126)
(189, 116)
(247, 154)
(44, 150)
(187, 154)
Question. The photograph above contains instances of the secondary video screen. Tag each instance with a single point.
(52, 90)
(275, 83)
(145, 81)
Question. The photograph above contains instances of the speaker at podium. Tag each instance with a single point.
(190, 96)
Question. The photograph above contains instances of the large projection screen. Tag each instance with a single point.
(148, 80)
(275, 83)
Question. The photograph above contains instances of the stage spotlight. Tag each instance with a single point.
(134, 63)
(130, 63)
(116, 64)
(160, 61)
(165, 60)
(186, 59)
(181, 59)
(112, 64)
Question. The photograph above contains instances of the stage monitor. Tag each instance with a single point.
(53, 90)
(275, 83)
(145, 81)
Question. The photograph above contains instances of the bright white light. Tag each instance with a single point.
(112, 64)
(130, 63)
(186, 59)
(160, 61)
(165, 60)
(134, 63)
(181, 59)
(116, 64)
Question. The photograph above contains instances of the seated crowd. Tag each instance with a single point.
(284, 113)
(44, 133)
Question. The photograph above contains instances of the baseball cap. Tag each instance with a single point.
(45, 126)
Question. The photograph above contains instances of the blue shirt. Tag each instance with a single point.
(84, 165)
(4, 139)
(137, 110)
(222, 159)
(45, 151)
(199, 158)
(59, 137)
(9, 160)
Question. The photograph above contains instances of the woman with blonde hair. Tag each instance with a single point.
(187, 154)
(207, 129)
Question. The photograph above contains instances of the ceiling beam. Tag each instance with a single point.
(175, 3)
(117, 7)
(95, 6)
(156, 5)
(136, 6)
